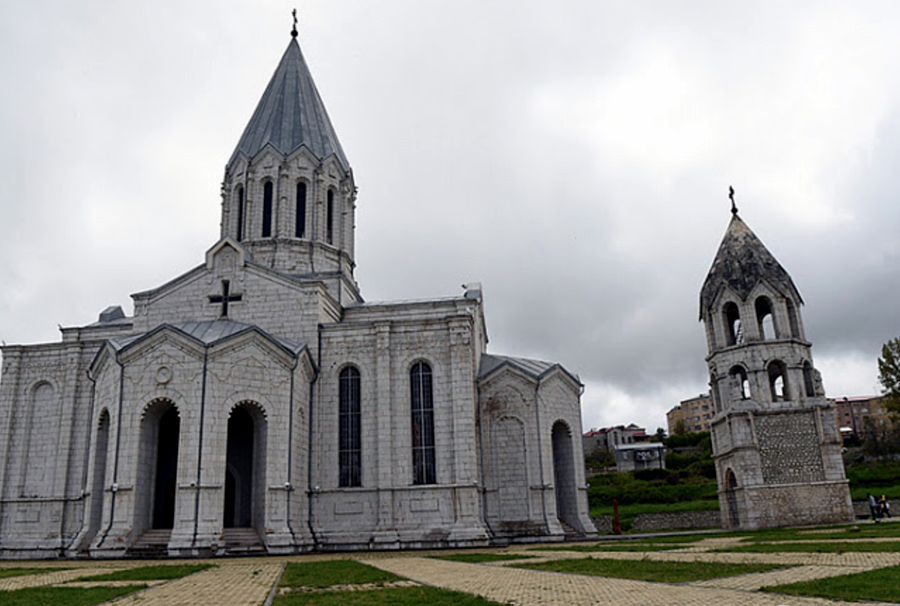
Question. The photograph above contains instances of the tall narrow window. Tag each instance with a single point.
(300, 219)
(422, 406)
(240, 214)
(349, 440)
(267, 210)
(329, 218)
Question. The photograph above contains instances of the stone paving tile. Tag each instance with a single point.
(231, 583)
(533, 588)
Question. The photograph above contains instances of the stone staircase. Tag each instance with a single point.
(243, 541)
(570, 533)
(152, 544)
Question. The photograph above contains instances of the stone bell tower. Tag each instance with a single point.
(288, 195)
(774, 435)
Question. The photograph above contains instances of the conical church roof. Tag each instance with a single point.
(742, 261)
(291, 115)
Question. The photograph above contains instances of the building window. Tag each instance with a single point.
(240, 214)
(267, 210)
(422, 406)
(300, 219)
(329, 218)
(349, 441)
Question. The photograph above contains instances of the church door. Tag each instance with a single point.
(731, 504)
(239, 465)
(166, 469)
(564, 475)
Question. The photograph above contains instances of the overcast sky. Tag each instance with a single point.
(573, 156)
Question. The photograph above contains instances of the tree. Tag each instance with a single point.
(889, 376)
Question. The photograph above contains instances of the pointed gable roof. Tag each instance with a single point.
(742, 261)
(291, 115)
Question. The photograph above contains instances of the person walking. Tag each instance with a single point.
(873, 506)
(884, 506)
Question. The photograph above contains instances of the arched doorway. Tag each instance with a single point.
(164, 485)
(564, 475)
(731, 504)
(245, 467)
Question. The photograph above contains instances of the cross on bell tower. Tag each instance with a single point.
(225, 297)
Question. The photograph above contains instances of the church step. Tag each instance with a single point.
(243, 541)
(155, 537)
(152, 544)
(569, 532)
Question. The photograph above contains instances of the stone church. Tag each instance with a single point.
(257, 403)
(775, 439)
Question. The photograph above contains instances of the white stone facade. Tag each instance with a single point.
(774, 438)
(259, 391)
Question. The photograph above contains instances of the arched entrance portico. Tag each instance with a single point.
(157, 478)
(564, 475)
(245, 468)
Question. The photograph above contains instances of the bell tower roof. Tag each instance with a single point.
(291, 115)
(741, 262)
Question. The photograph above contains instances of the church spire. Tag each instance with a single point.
(290, 114)
(740, 263)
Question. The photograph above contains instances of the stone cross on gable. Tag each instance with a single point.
(225, 297)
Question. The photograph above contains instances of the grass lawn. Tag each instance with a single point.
(6, 573)
(477, 558)
(881, 585)
(649, 570)
(612, 546)
(387, 596)
(334, 572)
(653, 544)
(70, 596)
(148, 573)
(814, 547)
(862, 531)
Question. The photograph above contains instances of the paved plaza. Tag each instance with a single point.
(252, 581)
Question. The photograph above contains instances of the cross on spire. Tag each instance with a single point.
(294, 29)
(225, 297)
(734, 210)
